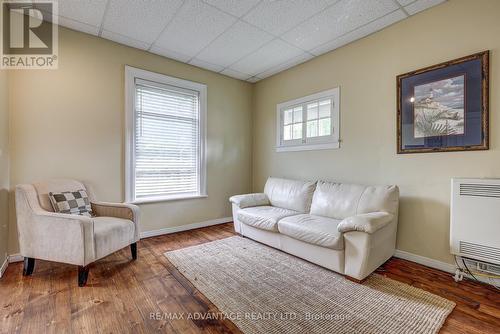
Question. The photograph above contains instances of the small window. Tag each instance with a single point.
(309, 123)
(165, 137)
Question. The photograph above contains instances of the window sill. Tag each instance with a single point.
(167, 199)
(310, 147)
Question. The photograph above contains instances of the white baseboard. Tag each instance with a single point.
(16, 258)
(428, 262)
(4, 266)
(168, 230)
(447, 267)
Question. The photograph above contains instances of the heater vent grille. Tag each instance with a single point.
(487, 253)
(480, 190)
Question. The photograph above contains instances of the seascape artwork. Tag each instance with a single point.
(439, 108)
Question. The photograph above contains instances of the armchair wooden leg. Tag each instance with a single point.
(83, 274)
(133, 250)
(29, 265)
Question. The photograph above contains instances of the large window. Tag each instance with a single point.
(309, 123)
(165, 157)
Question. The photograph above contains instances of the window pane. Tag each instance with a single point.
(312, 129)
(297, 131)
(287, 116)
(325, 127)
(312, 111)
(297, 114)
(287, 132)
(166, 142)
(324, 108)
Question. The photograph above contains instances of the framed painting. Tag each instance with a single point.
(444, 107)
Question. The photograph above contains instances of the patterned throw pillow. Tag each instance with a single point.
(72, 202)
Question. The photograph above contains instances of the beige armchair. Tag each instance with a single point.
(72, 239)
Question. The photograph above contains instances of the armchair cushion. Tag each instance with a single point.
(112, 234)
(248, 200)
(367, 222)
(72, 202)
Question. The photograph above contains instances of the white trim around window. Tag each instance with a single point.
(163, 112)
(309, 123)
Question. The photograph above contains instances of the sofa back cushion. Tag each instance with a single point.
(339, 201)
(290, 194)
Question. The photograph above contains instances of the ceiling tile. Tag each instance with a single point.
(206, 65)
(125, 40)
(421, 5)
(195, 26)
(170, 54)
(361, 32)
(292, 62)
(235, 74)
(140, 21)
(78, 26)
(337, 20)
(253, 79)
(277, 17)
(271, 54)
(405, 2)
(89, 12)
(234, 7)
(235, 43)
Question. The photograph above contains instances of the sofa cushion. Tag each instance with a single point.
(316, 230)
(339, 201)
(290, 194)
(112, 234)
(336, 200)
(264, 217)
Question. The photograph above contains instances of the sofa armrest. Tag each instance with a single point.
(245, 201)
(118, 210)
(368, 222)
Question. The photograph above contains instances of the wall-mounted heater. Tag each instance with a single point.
(475, 219)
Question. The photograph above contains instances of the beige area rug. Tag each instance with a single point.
(263, 290)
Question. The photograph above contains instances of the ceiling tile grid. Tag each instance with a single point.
(244, 39)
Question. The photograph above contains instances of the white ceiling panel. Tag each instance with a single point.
(235, 43)
(235, 74)
(79, 26)
(170, 54)
(337, 20)
(89, 12)
(360, 32)
(234, 7)
(254, 79)
(421, 5)
(124, 40)
(244, 39)
(206, 65)
(277, 17)
(194, 27)
(405, 2)
(139, 20)
(293, 62)
(270, 55)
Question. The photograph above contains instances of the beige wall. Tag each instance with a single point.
(4, 164)
(366, 71)
(70, 123)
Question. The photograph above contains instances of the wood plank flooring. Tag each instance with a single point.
(132, 297)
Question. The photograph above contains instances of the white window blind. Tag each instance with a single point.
(308, 123)
(167, 142)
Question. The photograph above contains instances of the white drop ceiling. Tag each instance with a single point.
(245, 39)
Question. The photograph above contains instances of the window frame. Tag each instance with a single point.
(131, 74)
(331, 141)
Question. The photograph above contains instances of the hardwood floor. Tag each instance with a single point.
(125, 297)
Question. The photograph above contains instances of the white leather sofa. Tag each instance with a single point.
(347, 228)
